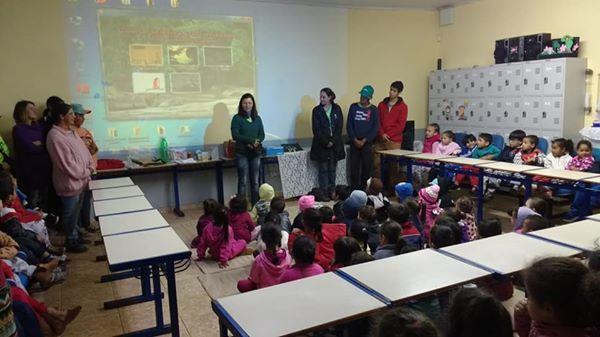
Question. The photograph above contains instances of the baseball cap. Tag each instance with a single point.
(367, 91)
(78, 109)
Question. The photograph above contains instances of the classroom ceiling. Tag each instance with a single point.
(376, 4)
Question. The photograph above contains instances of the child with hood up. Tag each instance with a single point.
(266, 193)
(428, 199)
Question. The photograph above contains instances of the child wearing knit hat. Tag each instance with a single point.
(266, 193)
(305, 202)
(403, 190)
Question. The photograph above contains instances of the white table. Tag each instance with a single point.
(155, 250)
(426, 156)
(301, 306)
(110, 183)
(563, 174)
(584, 235)
(131, 222)
(396, 153)
(117, 193)
(464, 161)
(508, 253)
(595, 180)
(117, 206)
(594, 217)
(407, 276)
(508, 167)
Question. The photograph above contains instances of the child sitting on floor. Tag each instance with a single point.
(404, 322)
(501, 286)
(376, 198)
(305, 202)
(278, 206)
(428, 199)
(219, 239)
(209, 206)
(474, 313)
(356, 201)
(390, 240)
(340, 194)
(273, 219)
(372, 226)
(584, 159)
(562, 299)
(240, 220)
(533, 206)
(401, 215)
(529, 153)
(344, 247)
(268, 266)
(304, 261)
(262, 206)
(403, 190)
(466, 219)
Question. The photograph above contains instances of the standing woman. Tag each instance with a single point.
(72, 167)
(327, 146)
(248, 132)
(32, 160)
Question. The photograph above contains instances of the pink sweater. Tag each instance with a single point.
(265, 273)
(242, 225)
(451, 149)
(71, 161)
(297, 272)
(220, 249)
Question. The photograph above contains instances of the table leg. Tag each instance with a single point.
(219, 174)
(177, 208)
(383, 168)
(480, 192)
(528, 182)
(222, 329)
(146, 295)
(409, 175)
(172, 291)
(157, 297)
(586, 210)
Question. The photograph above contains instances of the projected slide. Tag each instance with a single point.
(158, 67)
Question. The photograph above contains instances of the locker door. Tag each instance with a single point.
(531, 112)
(513, 80)
(445, 83)
(512, 113)
(435, 110)
(533, 78)
(490, 81)
(480, 81)
(500, 84)
(501, 116)
(432, 85)
(464, 89)
(474, 113)
(552, 113)
(455, 82)
(489, 114)
(553, 77)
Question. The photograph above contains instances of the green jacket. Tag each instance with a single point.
(3, 150)
(245, 132)
(490, 149)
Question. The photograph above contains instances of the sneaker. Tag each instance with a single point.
(571, 217)
(84, 241)
(76, 247)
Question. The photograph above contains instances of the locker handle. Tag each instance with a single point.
(545, 80)
(524, 81)
(544, 114)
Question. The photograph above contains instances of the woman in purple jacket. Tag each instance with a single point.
(32, 160)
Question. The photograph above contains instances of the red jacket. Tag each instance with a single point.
(392, 122)
(324, 253)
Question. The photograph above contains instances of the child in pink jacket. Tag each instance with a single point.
(428, 199)
(304, 258)
(446, 146)
(270, 265)
(240, 220)
(209, 205)
(218, 238)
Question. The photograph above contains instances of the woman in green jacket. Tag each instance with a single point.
(248, 132)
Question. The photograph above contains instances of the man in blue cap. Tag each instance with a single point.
(362, 127)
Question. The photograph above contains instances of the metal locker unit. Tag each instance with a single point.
(543, 97)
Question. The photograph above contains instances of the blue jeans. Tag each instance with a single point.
(327, 171)
(580, 200)
(248, 166)
(71, 208)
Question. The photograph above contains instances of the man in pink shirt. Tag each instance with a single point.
(72, 167)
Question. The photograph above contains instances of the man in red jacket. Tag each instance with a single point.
(393, 113)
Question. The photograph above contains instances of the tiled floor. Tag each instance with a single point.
(196, 316)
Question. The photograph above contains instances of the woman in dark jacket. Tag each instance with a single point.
(33, 163)
(248, 132)
(327, 146)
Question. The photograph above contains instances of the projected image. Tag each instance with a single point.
(162, 67)
(183, 55)
(217, 56)
(186, 83)
(145, 83)
(145, 55)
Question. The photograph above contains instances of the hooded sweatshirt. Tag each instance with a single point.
(262, 207)
(428, 197)
(392, 121)
(452, 149)
(220, 249)
(265, 272)
(350, 208)
(300, 271)
(428, 143)
(242, 225)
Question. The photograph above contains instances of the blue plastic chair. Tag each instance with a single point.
(498, 141)
(459, 137)
(543, 144)
(596, 153)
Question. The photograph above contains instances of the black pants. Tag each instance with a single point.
(361, 165)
